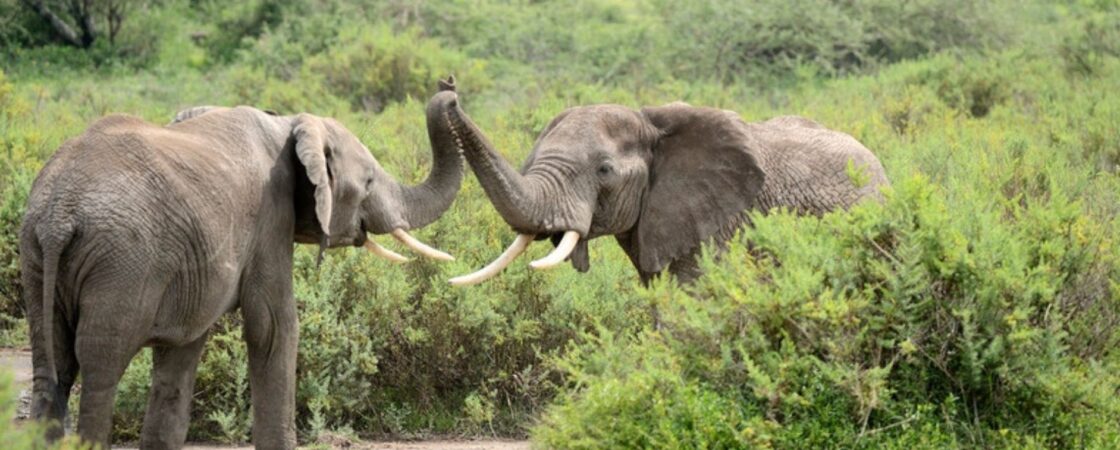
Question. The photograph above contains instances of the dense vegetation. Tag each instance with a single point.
(978, 306)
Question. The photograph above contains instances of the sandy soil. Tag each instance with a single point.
(19, 362)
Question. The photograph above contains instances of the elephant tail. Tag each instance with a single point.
(53, 247)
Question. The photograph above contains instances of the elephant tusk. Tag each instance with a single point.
(420, 247)
(560, 253)
(516, 248)
(383, 252)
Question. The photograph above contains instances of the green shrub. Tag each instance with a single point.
(307, 62)
(14, 187)
(972, 90)
(251, 86)
(31, 45)
(647, 403)
(973, 317)
(15, 436)
(374, 66)
(15, 182)
(1096, 38)
(236, 25)
(905, 30)
(731, 40)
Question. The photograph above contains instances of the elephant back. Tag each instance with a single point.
(811, 169)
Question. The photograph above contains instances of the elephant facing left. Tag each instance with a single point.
(140, 235)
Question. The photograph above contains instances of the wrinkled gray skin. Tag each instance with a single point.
(140, 235)
(663, 180)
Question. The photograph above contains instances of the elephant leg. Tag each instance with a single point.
(271, 333)
(169, 405)
(103, 360)
(118, 301)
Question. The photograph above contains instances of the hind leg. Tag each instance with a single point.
(103, 359)
(169, 406)
(112, 326)
(48, 399)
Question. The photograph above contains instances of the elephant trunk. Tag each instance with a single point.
(519, 199)
(424, 203)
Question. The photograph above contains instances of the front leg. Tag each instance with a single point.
(271, 333)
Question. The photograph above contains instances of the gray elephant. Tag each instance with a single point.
(662, 180)
(140, 235)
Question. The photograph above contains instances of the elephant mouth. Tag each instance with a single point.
(360, 239)
(363, 240)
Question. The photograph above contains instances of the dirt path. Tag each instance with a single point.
(18, 362)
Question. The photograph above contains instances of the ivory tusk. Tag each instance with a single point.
(516, 248)
(420, 247)
(560, 253)
(383, 252)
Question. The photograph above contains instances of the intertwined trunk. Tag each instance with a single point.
(425, 202)
(516, 198)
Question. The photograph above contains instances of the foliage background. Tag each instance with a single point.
(978, 306)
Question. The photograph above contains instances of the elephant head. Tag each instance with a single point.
(347, 194)
(662, 180)
(353, 195)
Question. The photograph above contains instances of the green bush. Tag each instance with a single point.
(236, 25)
(1095, 39)
(647, 403)
(15, 183)
(905, 30)
(969, 326)
(15, 436)
(251, 86)
(32, 45)
(372, 67)
(731, 40)
(316, 57)
(973, 90)
(591, 40)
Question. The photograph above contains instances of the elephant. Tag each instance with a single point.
(138, 235)
(663, 181)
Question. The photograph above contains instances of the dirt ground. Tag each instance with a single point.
(19, 363)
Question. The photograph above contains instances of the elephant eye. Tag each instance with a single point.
(605, 169)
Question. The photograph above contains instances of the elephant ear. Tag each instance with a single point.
(311, 149)
(704, 175)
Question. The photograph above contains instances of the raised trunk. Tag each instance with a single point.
(424, 203)
(516, 199)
